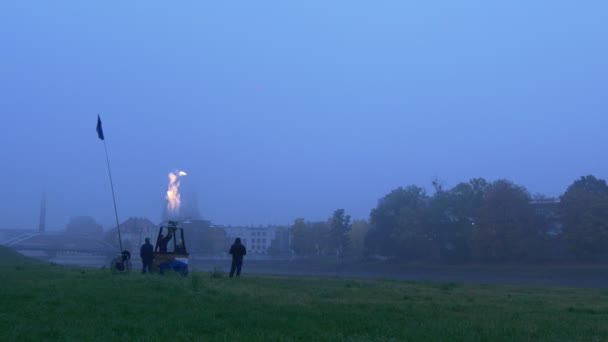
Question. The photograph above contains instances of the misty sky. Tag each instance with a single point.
(284, 109)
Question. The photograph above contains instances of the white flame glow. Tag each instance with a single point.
(173, 197)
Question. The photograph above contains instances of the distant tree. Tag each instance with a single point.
(398, 224)
(320, 240)
(273, 250)
(358, 231)
(467, 198)
(309, 238)
(84, 225)
(584, 210)
(451, 215)
(301, 237)
(339, 227)
(506, 227)
(478, 185)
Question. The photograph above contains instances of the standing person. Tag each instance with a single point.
(163, 241)
(147, 256)
(237, 250)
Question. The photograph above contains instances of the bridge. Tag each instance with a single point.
(60, 247)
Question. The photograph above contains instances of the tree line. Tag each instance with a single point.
(474, 220)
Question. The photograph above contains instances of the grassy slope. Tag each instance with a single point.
(41, 302)
(395, 269)
(9, 256)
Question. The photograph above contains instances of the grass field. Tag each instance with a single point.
(49, 302)
(539, 274)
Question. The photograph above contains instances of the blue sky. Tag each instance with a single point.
(284, 109)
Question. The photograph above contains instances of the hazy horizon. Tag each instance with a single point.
(285, 110)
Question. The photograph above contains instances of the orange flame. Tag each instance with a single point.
(173, 197)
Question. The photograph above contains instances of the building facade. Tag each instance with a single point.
(261, 240)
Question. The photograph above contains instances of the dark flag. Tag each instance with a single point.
(99, 129)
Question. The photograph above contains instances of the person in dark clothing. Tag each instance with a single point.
(179, 248)
(147, 256)
(238, 251)
(163, 241)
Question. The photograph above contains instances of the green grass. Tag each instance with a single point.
(9, 257)
(50, 302)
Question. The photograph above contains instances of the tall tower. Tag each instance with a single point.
(190, 205)
(42, 223)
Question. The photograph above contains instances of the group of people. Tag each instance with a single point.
(146, 253)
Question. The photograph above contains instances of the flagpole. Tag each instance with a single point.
(102, 137)
(113, 196)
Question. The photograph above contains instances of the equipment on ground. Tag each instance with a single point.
(121, 263)
(170, 250)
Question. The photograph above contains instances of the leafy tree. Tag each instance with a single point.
(398, 224)
(451, 215)
(506, 226)
(584, 210)
(320, 238)
(339, 227)
(358, 231)
(309, 238)
(280, 244)
(301, 237)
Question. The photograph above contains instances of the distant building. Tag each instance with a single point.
(134, 230)
(84, 225)
(202, 237)
(261, 240)
(188, 211)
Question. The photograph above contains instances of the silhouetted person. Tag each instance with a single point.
(238, 251)
(147, 256)
(179, 248)
(163, 241)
